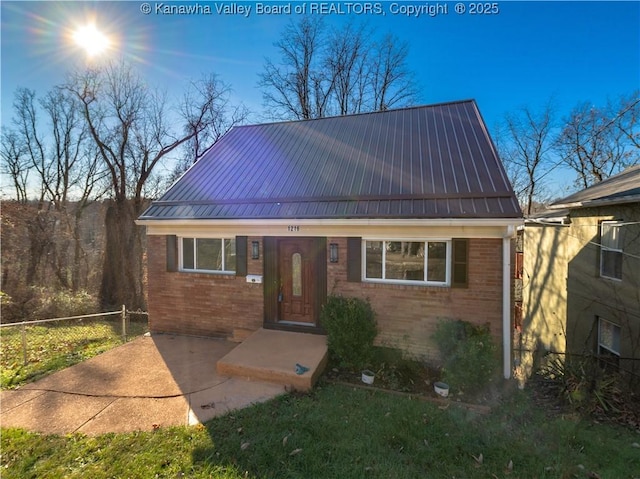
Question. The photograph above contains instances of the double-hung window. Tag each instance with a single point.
(609, 341)
(408, 262)
(208, 255)
(611, 249)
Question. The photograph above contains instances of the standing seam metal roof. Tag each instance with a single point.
(433, 161)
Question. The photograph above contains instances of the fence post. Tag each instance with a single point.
(124, 323)
(24, 343)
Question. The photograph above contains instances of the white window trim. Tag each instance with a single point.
(600, 345)
(181, 267)
(445, 283)
(604, 248)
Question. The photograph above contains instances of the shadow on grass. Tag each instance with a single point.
(337, 431)
(340, 431)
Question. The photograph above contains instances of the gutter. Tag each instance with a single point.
(503, 222)
(506, 303)
(551, 221)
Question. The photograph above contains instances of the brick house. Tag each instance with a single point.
(410, 208)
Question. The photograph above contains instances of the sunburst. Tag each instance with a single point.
(92, 40)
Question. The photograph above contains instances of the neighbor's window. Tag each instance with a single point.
(611, 249)
(608, 342)
(216, 255)
(423, 262)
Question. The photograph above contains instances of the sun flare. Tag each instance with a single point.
(92, 40)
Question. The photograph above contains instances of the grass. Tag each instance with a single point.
(55, 347)
(342, 432)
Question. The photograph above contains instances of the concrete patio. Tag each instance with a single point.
(165, 380)
(269, 355)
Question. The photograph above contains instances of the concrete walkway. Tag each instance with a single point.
(153, 381)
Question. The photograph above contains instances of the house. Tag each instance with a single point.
(581, 276)
(410, 208)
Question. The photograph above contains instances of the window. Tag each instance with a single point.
(216, 255)
(425, 262)
(608, 342)
(611, 249)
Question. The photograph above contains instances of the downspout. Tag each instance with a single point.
(506, 303)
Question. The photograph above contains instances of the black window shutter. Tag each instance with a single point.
(172, 253)
(354, 260)
(460, 263)
(241, 255)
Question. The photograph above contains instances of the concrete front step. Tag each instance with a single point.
(273, 356)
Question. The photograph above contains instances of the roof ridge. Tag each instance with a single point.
(363, 113)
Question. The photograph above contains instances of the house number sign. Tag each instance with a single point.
(293, 228)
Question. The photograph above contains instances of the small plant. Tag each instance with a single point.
(469, 355)
(583, 385)
(397, 372)
(351, 329)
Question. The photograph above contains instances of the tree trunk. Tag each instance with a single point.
(122, 275)
(40, 245)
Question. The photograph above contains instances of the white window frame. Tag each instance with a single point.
(603, 346)
(195, 261)
(424, 282)
(603, 248)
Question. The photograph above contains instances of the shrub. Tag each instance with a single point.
(351, 329)
(34, 302)
(469, 355)
(63, 303)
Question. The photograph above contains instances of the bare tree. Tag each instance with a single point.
(27, 125)
(296, 88)
(599, 142)
(53, 136)
(626, 114)
(343, 71)
(526, 148)
(15, 163)
(132, 127)
(221, 114)
(392, 84)
(347, 59)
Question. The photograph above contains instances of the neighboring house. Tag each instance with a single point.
(581, 275)
(409, 208)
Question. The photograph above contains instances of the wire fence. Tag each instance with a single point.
(32, 349)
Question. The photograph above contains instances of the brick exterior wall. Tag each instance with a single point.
(201, 304)
(204, 304)
(407, 315)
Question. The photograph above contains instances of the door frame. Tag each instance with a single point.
(271, 284)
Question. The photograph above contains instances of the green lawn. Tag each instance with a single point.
(56, 346)
(342, 432)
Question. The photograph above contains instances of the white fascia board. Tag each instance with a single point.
(619, 200)
(389, 228)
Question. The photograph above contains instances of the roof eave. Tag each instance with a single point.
(509, 221)
(597, 202)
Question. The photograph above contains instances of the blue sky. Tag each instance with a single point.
(525, 54)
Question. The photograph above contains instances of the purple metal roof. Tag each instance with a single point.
(425, 162)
